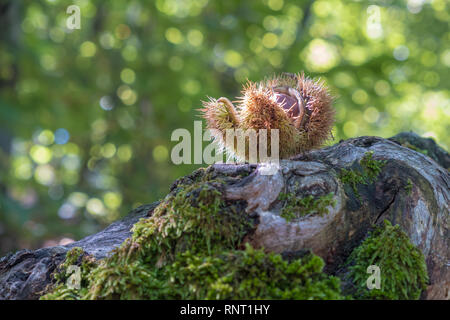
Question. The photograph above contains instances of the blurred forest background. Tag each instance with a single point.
(86, 115)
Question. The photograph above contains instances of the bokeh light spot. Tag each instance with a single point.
(191, 86)
(127, 95)
(44, 174)
(95, 207)
(112, 200)
(40, 154)
(343, 79)
(160, 153)
(46, 137)
(88, 49)
(445, 58)
(270, 40)
(270, 23)
(233, 58)
(107, 40)
(127, 75)
(350, 129)
(122, 32)
(62, 136)
(360, 96)
(78, 199)
(174, 35)
(48, 62)
(67, 211)
(22, 168)
(371, 115)
(129, 53)
(320, 56)
(195, 38)
(124, 152)
(382, 88)
(106, 103)
(401, 53)
(275, 5)
(108, 150)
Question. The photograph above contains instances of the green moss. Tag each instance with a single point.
(195, 217)
(402, 266)
(409, 186)
(295, 207)
(370, 169)
(250, 274)
(62, 290)
(413, 147)
(191, 248)
(205, 175)
(352, 178)
(230, 274)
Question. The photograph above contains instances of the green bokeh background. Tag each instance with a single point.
(86, 115)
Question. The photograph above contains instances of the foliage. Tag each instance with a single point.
(86, 115)
(402, 265)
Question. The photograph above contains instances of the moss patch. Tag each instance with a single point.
(403, 271)
(413, 147)
(295, 207)
(67, 278)
(197, 218)
(370, 169)
(409, 186)
(250, 274)
(230, 274)
(192, 248)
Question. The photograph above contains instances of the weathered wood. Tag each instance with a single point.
(411, 190)
(422, 210)
(26, 273)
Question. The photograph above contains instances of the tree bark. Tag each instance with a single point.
(412, 190)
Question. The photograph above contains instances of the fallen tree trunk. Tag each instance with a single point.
(364, 181)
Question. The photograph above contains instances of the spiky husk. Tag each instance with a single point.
(259, 107)
(218, 119)
(322, 118)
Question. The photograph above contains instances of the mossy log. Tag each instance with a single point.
(325, 200)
